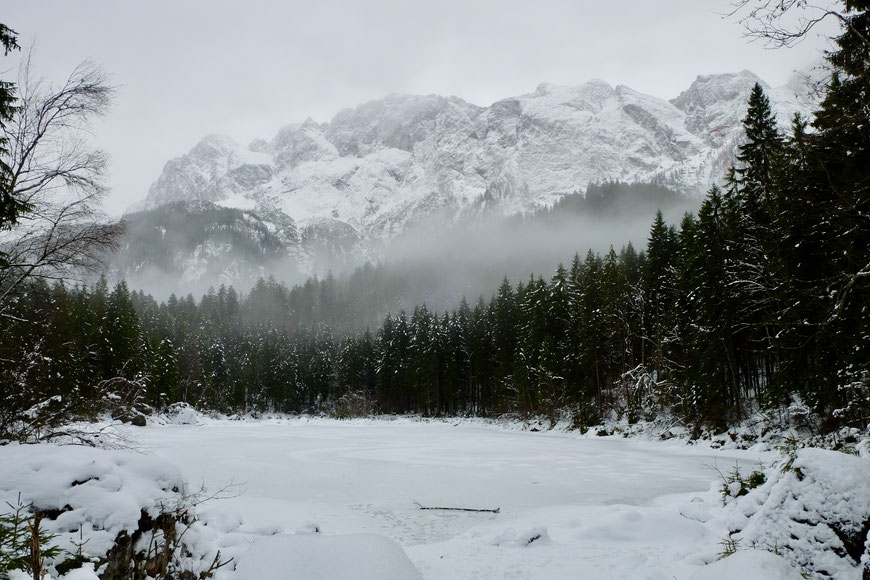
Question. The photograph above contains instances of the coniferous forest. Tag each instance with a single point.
(761, 299)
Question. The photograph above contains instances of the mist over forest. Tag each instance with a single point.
(435, 261)
(472, 257)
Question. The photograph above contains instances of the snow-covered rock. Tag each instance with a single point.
(213, 169)
(181, 414)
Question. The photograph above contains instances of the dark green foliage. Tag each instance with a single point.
(14, 539)
(736, 485)
(10, 207)
(20, 531)
(756, 479)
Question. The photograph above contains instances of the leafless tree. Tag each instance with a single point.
(783, 23)
(59, 176)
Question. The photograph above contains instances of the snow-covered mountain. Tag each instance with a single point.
(374, 169)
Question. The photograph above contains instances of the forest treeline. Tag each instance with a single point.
(760, 299)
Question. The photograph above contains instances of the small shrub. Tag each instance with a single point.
(756, 479)
(23, 544)
(352, 404)
(729, 546)
(789, 448)
(735, 485)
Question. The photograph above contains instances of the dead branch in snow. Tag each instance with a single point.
(456, 509)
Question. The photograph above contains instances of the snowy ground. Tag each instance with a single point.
(569, 507)
(340, 500)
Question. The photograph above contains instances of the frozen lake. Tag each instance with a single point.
(600, 507)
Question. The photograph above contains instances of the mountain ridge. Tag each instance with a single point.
(361, 179)
(403, 149)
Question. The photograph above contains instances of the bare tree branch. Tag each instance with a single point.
(59, 176)
(784, 23)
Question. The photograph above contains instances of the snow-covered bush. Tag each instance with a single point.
(181, 414)
(638, 394)
(352, 404)
(815, 513)
(736, 485)
(129, 515)
(53, 418)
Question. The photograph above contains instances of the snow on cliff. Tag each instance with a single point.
(389, 162)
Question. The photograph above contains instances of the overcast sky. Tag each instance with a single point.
(187, 68)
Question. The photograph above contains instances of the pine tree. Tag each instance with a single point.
(660, 295)
(556, 350)
(591, 338)
(616, 344)
(714, 394)
(753, 262)
(122, 334)
(461, 330)
(535, 365)
(753, 180)
(504, 333)
(482, 358)
(424, 361)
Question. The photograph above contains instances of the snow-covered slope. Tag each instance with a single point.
(378, 165)
(374, 169)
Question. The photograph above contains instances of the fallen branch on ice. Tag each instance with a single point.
(455, 509)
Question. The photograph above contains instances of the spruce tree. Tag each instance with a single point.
(659, 296)
(591, 338)
(753, 179)
(753, 261)
(714, 394)
(504, 332)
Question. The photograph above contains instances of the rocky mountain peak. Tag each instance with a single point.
(714, 105)
(397, 122)
(381, 165)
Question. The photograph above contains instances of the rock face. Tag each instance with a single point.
(190, 246)
(359, 180)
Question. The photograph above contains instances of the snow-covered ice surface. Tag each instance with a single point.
(341, 499)
(569, 507)
(344, 557)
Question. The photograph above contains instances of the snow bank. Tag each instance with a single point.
(314, 557)
(92, 498)
(748, 564)
(181, 414)
(100, 492)
(95, 497)
(816, 514)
